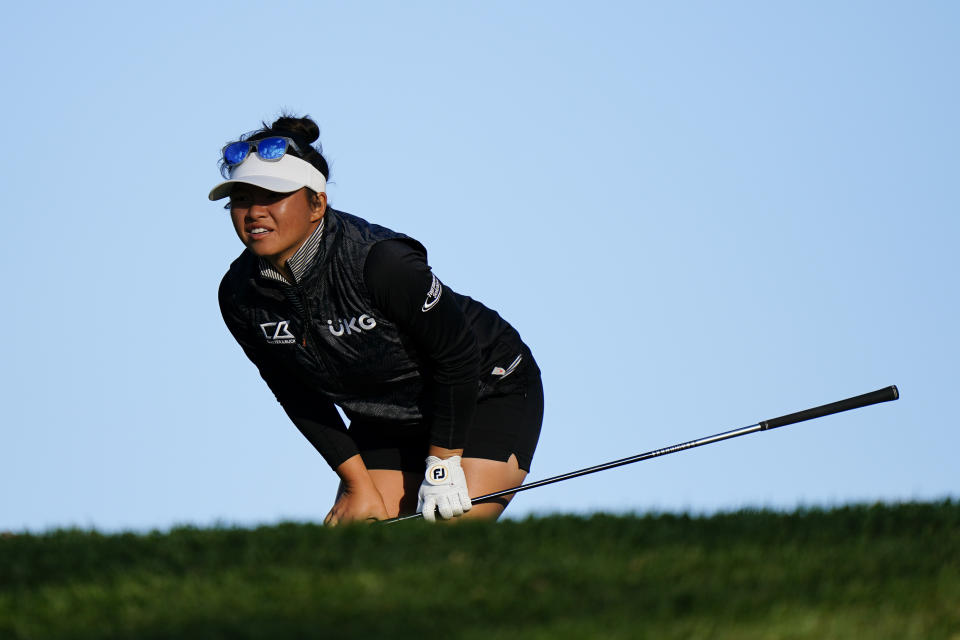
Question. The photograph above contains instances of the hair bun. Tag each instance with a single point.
(303, 130)
(300, 128)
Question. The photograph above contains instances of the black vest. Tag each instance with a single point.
(326, 333)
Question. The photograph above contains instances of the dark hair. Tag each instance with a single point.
(304, 131)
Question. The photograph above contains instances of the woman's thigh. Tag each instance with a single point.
(488, 476)
(399, 490)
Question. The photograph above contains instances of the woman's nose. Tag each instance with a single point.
(257, 210)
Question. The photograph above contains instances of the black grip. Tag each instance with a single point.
(880, 395)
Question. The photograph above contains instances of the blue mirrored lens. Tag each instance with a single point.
(271, 148)
(236, 152)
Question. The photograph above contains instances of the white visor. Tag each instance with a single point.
(287, 174)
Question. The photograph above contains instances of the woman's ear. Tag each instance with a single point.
(318, 206)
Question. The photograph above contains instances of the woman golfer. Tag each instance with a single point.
(443, 397)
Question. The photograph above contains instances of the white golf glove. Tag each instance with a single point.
(445, 488)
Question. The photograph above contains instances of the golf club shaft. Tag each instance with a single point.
(880, 395)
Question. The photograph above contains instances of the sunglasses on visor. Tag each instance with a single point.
(270, 149)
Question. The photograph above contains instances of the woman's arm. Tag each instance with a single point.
(405, 290)
(313, 415)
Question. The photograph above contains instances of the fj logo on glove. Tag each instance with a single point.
(277, 332)
(433, 296)
(437, 474)
(351, 326)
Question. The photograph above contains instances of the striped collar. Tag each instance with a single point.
(300, 261)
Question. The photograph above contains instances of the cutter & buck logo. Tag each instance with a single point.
(277, 332)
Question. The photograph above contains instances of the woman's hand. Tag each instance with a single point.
(356, 504)
(358, 498)
(444, 489)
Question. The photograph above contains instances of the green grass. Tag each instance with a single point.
(855, 572)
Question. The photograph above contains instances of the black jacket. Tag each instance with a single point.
(371, 329)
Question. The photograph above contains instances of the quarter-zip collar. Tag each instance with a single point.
(300, 262)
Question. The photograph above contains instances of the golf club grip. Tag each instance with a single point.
(880, 395)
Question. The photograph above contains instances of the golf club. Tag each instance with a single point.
(880, 395)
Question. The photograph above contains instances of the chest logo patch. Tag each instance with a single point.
(277, 332)
(352, 325)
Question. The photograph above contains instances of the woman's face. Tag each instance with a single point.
(274, 225)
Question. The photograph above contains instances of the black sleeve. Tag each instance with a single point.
(406, 291)
(314, 416)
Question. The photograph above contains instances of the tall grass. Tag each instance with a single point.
(881, 571)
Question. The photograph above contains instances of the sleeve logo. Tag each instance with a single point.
(433, 296)
(503, 372)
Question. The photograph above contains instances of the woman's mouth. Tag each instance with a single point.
(258, 232)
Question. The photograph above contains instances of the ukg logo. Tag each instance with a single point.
(351, 326)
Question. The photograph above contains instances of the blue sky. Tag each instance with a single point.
(699, 215)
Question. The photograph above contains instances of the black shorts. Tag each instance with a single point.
(504, 424)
